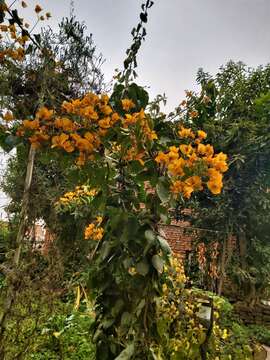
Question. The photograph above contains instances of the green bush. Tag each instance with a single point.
(65, 336)
(259, 333)
(48, 332)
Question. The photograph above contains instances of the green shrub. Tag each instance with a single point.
(65, 336)
(183, 334)
(48, 331)
(259, 333)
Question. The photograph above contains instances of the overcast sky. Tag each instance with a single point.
(182, 36)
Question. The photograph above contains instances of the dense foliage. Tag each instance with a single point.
(233, 108)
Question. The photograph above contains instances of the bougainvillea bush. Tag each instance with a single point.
(132, 166)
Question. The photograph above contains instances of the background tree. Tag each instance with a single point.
(74, 69)
(32, 74)
(233, 108)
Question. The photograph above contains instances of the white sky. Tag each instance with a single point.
(182, 36)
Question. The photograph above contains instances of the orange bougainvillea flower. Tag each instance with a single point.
(127, 104)
(89, 231)
(186, 149)
(68, 146)
(34, 141)
(206, 150)
(186, 133)
(44, 113)
(214, 186)
(201, 134)
(65, 123)
(129, 120)
(89, 113)
(177, 187)
(176, 167)
(215, 181)
(59, 140)
(38, 138)
(187, 191)
(93, 232)
(89, 136)
(31, 124)
(84, 145)
(195, 182)
(219, 162)
(161, 158)
(105, 123)
(106, 110)
(114, 118)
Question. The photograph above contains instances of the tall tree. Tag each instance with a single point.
(233, 107)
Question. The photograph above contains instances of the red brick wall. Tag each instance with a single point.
(179, 241)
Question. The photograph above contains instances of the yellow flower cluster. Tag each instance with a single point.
(135, 154)
(193, 158)
(177, 310)
(15, 54)
(81, 125)
(94, 231)
(77, 195)
(178, 313)
(84, 122)
(16, 50)
(140, 119)
(171, 300)
(127, 104)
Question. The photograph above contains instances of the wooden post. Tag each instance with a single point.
(25, 202)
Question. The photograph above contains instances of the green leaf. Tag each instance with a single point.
(105, 250)
(140, 306)
(128, 262)
(158, 263)
(107, 323)
(163, 190)
(142, 267)
(156, 356)
(162, 327)
(164, 245)
(126, 319)
(127, 353)
(11, 141)
(117, 307)
(150, 236)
